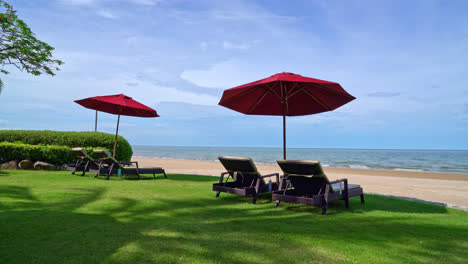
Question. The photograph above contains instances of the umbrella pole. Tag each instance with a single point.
(116, 133)
(284, 135)
(283, 99)
(95, 123)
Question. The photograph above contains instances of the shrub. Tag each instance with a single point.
(48, 153)
(58, 139)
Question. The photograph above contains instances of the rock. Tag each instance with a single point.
(26, 165)
(11, 165)
(40, 165)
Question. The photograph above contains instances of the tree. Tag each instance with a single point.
(19, 46)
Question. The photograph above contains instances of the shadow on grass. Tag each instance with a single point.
(208, 230)
(372, 203)
(151, 177)
(192, 178)
(170, 177)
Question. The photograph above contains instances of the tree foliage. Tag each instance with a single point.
(19, 46)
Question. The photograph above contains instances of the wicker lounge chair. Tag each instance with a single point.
(246, 179)
(84, 162)
(305, 182)
(114, 165)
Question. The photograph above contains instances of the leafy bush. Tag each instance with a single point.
(51, 154)
(55, 140)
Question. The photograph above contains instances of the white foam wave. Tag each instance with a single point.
(358, 167)
(411, 170)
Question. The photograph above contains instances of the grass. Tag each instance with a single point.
(55, 217)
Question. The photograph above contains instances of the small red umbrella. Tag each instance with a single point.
(118, 104)
(285, 94)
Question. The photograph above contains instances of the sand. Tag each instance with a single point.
(448, 189)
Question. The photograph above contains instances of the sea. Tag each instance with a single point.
(444, 161)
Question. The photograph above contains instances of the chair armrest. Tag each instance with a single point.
(282, 182)
(128, 163)
(345, 182)
(222, 176)
(136, 163)
(269, 175)
(340, 180)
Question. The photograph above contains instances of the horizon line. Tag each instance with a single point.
(341, 148)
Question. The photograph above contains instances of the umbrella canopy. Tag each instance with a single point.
(118, 104)
(286, 94)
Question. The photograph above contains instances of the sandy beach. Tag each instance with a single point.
(445, 188)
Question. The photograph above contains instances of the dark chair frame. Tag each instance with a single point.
(115, 165)
(85, 163)
(255, 187)
(323, 197)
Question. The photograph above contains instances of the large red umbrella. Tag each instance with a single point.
(286, 94)
(118, 104)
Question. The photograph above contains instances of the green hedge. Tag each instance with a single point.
(51, 154)
(58, 139)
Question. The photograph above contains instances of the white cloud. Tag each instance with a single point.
(146, 2)
(79, 2)
(143, 91)
(257, 15)
(226, 74)
(204, 46)
(94, 2)
(230, 45)
(106, 14)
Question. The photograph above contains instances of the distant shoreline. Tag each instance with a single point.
(391, 172)
(373, 172)
(447, 188)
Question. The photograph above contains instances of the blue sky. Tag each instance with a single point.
(405, 61)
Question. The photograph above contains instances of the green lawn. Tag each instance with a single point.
(56, 217)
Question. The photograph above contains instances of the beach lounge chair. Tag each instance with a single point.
(305, 182)
(84, 162)
(114, 165)
(246, 178)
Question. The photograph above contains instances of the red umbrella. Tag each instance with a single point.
(118, 104)
(286, 94)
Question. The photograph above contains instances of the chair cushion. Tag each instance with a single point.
(143, 170)
(336, 187)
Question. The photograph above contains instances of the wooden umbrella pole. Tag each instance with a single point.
(284, 133)
(95, 123)
(116, 134)
(283, 99)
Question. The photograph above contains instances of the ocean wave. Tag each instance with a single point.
(393, 160)
(410, 170)
(359, 167)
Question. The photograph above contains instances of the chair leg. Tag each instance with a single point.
(78, 163)
(277, 203)
(217, 194)
(165, 176)
(324, 208)
(362, 198)
(254, 199)
(346, 202)
(154, 175)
